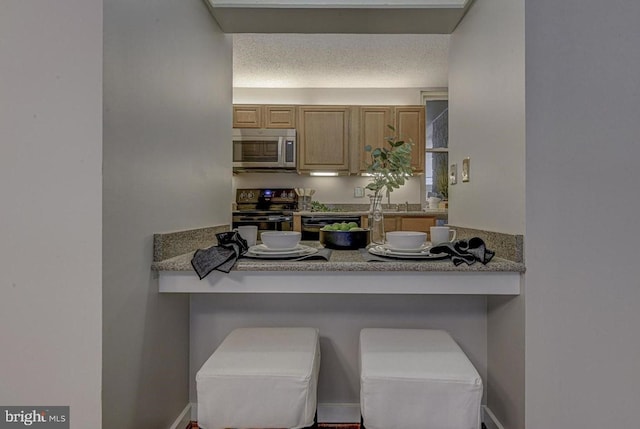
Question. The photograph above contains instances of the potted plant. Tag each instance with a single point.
(441, 183)
(390, 167)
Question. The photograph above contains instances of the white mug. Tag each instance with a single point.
(433, 202)
(249, 233)
(441, 234)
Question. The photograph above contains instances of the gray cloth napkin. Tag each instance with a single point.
(221, 257)
(466, 251)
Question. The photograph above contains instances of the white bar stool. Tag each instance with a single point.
(417, 379)
(261, 378)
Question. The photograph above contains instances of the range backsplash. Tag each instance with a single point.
(334, 190)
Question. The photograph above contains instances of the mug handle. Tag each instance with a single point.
(455, 234)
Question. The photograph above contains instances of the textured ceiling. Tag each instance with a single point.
(340, 60)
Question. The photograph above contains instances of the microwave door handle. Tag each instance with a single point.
(281, 143)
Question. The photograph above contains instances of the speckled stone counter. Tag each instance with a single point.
(344, 260)
(346, 271)
(437, 213)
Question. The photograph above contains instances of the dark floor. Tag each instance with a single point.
(194, 425)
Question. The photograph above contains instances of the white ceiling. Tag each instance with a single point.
(340, 60)
(339, 16)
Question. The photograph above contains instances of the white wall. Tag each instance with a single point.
(487, 123)
(506, 359)
(583, 292)
(50, 215)
(167, 127)
(339, 96)
(486, 116)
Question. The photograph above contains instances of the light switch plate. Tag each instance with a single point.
(465, 169)
(358, 192)
(453, 174)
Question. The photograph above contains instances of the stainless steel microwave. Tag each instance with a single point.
(259, 148)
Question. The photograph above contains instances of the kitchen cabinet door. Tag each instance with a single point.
(394, 222)
(323, 138)
(416, 223)
(410, 125)
(390, 223)
(280, 117)
(373, 130)
(263, 116)
(247, 116)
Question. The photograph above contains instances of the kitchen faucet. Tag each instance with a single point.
(406, 206)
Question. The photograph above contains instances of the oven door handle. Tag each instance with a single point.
(319, 223)
(322, 221)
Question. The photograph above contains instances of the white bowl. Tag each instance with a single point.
(280, 239)
(406, 239)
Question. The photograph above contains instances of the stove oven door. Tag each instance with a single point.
(273, 223)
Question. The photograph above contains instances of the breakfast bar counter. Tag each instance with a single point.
(346, 271)
(339, 296)
(343, 260)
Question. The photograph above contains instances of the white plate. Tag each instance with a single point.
(261, 248)
(420, 249)
(425, 254)
(306, 251)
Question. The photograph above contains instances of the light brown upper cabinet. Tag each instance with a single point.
(372, 129)
(334, 137)
(247, 116)
(323, 138)
(263, 116)
(410, 125)
(280, 117)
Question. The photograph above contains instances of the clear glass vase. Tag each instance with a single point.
(376, 219)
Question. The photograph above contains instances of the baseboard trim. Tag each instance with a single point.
(328, 413)
(183, 419)
(194, 411)
(339, 413)
(490, 420)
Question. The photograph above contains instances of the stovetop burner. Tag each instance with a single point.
(266, 200)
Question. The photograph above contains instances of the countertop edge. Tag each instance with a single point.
(183, 263)
(417, 213)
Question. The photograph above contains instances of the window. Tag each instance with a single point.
(436, 169)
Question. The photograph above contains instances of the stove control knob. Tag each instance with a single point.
(291, 195)
(243, 195)
(283, 194)
(250, 195)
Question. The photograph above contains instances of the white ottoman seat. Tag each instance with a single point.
(417, 379)
(260, 378)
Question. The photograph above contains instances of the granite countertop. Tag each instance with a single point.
(426, 213)
(345, 260)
